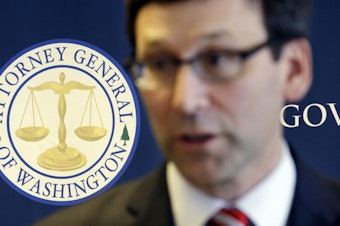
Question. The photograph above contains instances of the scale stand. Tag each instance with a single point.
(61, 157)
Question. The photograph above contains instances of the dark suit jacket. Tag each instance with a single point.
(145, 202)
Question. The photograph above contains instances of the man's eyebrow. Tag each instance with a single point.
(215, 35)
(204, 37)
(154, 43)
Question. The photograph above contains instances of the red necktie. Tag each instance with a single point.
(230, 217)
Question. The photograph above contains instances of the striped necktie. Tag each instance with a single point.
(230, 217)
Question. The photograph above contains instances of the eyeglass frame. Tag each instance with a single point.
(136, 66)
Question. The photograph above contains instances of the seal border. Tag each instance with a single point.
(137, 109)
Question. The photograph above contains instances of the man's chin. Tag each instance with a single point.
(199, 172)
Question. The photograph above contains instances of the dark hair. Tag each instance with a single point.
(284, 19)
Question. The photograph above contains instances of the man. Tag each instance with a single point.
(213, 75)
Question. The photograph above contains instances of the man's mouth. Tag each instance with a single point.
(196, 138)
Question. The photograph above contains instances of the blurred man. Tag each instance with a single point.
(213, 75)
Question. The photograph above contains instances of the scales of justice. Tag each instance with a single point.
(61, 157)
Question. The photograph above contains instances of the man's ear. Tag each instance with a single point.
(297, 54)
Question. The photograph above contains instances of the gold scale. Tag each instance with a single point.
(61, 157)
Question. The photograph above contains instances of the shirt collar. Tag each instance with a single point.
(267, 204)
(190, 206)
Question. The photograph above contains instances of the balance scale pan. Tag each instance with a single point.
(32, 133)
(90, 133)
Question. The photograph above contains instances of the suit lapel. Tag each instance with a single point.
(315, 202)
(151, 205)
(312, 203)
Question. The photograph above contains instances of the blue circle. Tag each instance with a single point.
(130, 84)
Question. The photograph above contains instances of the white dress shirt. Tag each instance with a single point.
(267, 204)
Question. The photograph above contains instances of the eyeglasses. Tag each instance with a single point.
(213, 67)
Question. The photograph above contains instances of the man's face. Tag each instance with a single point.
(214, 132)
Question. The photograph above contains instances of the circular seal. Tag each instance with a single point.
(69, 121)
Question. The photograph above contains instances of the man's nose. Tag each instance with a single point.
(190, 93)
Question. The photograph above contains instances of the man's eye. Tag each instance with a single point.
(217, 59)
(161, 64)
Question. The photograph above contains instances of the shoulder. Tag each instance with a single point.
(119, 204)
(311, 182)
(325, 190)
(317, 197)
